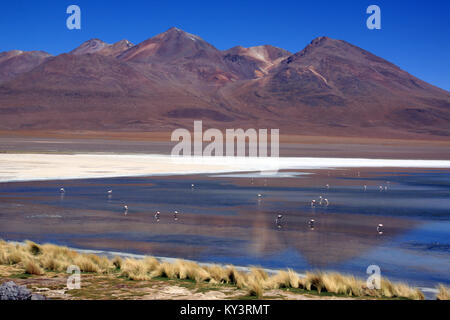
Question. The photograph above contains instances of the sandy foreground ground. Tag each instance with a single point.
(111, 287)
(32, 167)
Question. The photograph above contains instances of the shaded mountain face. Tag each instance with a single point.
(331, 87)
(332, 84)
(254, 62)
(96, 92)
(100, 47)
(15, 62)
(181, 57)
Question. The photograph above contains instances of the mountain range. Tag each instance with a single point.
(331, 87)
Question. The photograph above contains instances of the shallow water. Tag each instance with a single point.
(223, 220)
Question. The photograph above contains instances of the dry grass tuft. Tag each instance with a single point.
(387, 288)
(102, 263)
(279, 280)
(166, 270)
(254, 286)
(314, 281)
(15, 256)
(403, 290)
(86, 264)
(443, 293)
(135, 270)
(117, 262)
(3, 258)
(259, 274)
(33, 248)
(32, 267)
(150, 263)
(237, 278)
(195, 272)
(218, 273)
(34, 257)
(52, 264)
(294, 279)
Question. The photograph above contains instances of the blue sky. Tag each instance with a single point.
(414, 34)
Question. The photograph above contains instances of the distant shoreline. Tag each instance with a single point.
(40, 166)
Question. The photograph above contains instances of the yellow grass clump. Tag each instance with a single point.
(86, 264)
(218, 274)
(3, 258)
(254, 286)
(443, 292)
(194, 271)
(165, 270)
(15, 255)
(53, 264)
(117, 262)
(259, 274)
(277, 281)
(135, 270)
(151, 263)
(33, 248)
(32, 267)
(236, 277)
(35, 258)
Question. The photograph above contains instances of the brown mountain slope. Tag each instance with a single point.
(92, 91)
(180, 57)
(15, 62)
(333, 84)
(329, 88)
(103, 48)
(254, 62)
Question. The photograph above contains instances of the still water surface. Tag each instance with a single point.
(222, 219)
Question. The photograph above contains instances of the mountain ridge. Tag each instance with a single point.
(173, 78)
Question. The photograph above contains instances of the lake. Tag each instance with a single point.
(221, 219)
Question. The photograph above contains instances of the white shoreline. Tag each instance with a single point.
(36, 167)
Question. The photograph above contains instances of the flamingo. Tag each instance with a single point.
(380, 228)
(278, 220)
